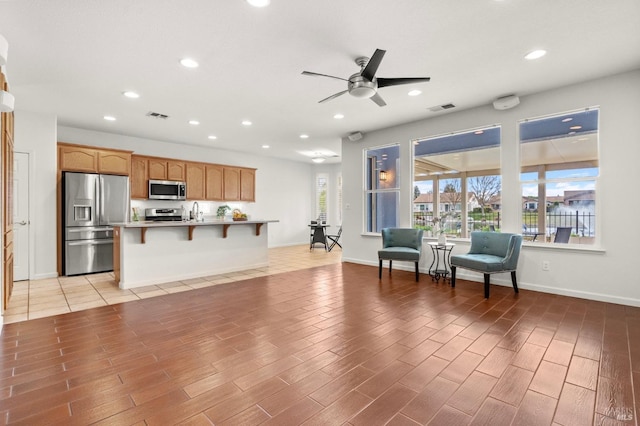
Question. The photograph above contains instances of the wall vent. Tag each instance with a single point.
(441, 107)
(157, 115)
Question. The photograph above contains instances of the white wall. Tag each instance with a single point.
(605, 272)
(35, 134)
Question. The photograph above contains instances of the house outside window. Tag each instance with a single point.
(465, 169)
(382, 187)
(559, 173)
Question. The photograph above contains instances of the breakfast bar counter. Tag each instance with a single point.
(147, 252)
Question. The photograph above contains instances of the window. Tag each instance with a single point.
(465, 169)
(382, 192)
(322, 187)
(559, 171)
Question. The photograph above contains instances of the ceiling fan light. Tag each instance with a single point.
(318, 159)
(362, 92)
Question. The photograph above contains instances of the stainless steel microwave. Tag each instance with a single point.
(167, 190)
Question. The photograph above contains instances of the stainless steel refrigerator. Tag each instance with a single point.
(92, 203)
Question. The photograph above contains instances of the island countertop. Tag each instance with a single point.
(210, 222)
(150, 252)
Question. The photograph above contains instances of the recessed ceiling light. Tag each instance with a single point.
(259, 3)
(535, 54)
(189, 63)
(130, 94)
(304, 136)
(318, 159)
(265, 146)
(338, 116)
(109, 118)
(566, 120)
(415, 92)
(194, 122)
(246, 123)
(212, 137)
(575, 127)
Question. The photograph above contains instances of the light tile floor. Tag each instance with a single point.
(42, 298)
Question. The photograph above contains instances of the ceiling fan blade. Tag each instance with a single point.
(372, 66)
(378, 99)
(315, 74)
(333, 96)
(384, 82)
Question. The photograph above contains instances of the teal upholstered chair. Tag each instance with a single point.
(403, 244)
(490, 252)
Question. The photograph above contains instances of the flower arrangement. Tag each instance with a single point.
(439, 223)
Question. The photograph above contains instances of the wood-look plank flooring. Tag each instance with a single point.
(329, 345)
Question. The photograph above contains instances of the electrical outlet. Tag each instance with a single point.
(546, 265)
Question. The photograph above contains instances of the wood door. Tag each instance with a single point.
(158, 168)
(213, 184)
(114, 162)
(6, 147)
(247, 184)
(139, 177)
(231, 183)
(195, 181)
(77, 159)
(176, 170)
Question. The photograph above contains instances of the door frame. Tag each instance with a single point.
(31, 234)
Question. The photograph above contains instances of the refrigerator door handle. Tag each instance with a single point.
(93, 228)
(100, 198)
(89, 242)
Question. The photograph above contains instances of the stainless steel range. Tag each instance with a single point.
(163, 215)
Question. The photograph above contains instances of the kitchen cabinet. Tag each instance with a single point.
(214, 190)
(114, 162)
(195, 181)
(77, 159)
(139, 177)
(80, 158)
(231, 183)
(247, 184)
(166, 169)
(239, 184)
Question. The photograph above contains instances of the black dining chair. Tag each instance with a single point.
(563, 234)
(317, 234)
(335, 239)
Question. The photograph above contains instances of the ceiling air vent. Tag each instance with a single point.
(157, 115)
(441, 107)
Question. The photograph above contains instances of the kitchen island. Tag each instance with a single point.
(147, 253)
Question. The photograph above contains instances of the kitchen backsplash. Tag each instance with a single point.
(208, 208)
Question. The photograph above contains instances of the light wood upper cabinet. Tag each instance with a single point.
(239, 184)
(157, 168)
(80, 158)
(231, 183)
(247, 184)
(77, 159)
(213, 182)
(114, 162)
(166, 169)
(176, 170)
(139, 177)
(195, 181)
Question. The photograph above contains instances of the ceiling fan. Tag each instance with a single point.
(364, 84)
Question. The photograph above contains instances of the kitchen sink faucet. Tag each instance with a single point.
(195, 210)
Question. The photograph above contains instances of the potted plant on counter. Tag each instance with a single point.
(222, 211)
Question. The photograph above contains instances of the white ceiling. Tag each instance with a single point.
(75, 58)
